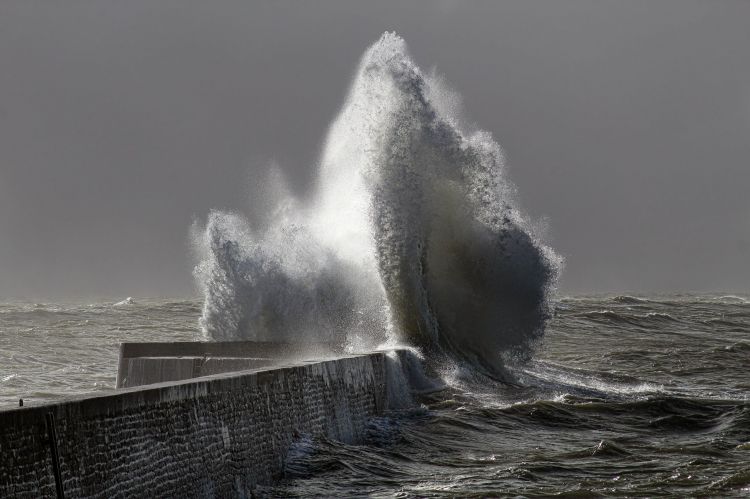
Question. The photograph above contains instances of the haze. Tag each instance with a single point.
(626, 126)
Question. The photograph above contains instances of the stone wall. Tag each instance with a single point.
(214, 436)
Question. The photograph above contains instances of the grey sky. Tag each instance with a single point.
(626, 123)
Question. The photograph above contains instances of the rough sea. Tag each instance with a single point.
(413, 235)
(626, 396)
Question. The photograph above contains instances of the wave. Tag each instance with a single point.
(127, 301)
(37, 312)
(732, 299)
(661, 316)
(629, 299)
(553, 378)
(615, 317)
(739, 347)
(413, 235)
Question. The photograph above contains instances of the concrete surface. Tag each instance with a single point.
(214, 436)
(148, 363)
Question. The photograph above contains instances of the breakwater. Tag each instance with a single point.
(148, 363)
(214, 436)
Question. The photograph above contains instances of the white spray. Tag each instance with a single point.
(413, 236)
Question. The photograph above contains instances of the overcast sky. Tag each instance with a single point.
(626, 125)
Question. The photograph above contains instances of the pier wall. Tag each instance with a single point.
(216, 436)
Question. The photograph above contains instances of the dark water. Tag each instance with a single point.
(626, 397)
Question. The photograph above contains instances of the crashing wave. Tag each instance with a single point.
(413, 235)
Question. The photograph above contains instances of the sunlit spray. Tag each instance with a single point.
(413, 236)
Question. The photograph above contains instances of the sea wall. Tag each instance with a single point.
(217, 436)
(148, 363)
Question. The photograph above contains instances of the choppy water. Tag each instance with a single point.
(631, 397)
(50, 350)
(628, 397)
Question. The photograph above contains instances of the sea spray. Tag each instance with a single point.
(406, 376)
(413, 235)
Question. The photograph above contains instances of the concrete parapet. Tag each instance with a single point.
(148, 363)
(215, 436)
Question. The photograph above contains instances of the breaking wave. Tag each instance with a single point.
(413, 235)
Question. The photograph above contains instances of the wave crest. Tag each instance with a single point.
(414, 235)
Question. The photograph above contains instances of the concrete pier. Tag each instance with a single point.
(214, 436)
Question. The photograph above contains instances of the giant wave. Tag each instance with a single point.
(413, 235)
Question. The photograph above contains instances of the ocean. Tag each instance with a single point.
(625, 396)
